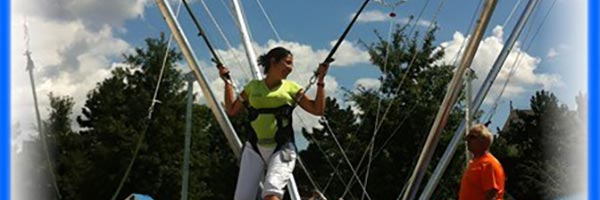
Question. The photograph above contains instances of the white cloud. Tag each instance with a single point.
(74, 46)
(379, 16)
(526, 77)
(69, 59)
(372, 16)
(368, 83)
(552, 53)
(18, 137)
(421, 22)
(348, 54)
(557, 51)
(306, 60)
(91, 13)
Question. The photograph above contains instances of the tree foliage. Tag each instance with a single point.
(413, 84)
(90, 162)
(537, 149)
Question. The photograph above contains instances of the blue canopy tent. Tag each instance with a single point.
(138, 197)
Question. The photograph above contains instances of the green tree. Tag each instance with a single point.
(115, 117)
(69, 157)
(322, 152)
(413, 84)
(33, 175)
(90, 163)
(535, 148)
(30, 176)
(213, 163)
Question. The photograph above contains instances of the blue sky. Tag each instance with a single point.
(76, 43)
(317, 24)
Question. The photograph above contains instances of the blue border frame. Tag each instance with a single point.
(5, 99)
(593, 85)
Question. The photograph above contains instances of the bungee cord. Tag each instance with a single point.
(224, 37)
(147, 121)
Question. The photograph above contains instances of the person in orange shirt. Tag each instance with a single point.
(484, 177)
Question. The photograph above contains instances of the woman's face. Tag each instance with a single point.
(283, 67)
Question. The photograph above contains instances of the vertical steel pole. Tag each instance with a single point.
(448, 102)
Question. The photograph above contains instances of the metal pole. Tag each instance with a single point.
(190, 57)
(256, 73)
(29, 68)
(468, 114)
(449, 100)
(220, 115)
(487, 84)
(188, 137)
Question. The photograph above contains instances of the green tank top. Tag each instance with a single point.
(259, 96)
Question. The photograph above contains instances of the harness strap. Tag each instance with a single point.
(284, 111)
(285, 133)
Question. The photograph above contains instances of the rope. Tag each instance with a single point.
(411, 63)
(146, 122)
(380, 150)
(391, 4)
(29, 68)
(335, 171)
(237, 58)
(326, 122)
(227, 7)
(330, 59)
(385, 62)
(464, 42)
(517, 60)
(246, 22)
(380, 123)
(339, 177)
(371, 145)
(268, 19)
(419, 16)
(310, 178)
(311, 82)
(440, 6)
(511, 13)
(215, 57)
(313, 79)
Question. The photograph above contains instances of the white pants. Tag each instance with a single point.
(280, 166)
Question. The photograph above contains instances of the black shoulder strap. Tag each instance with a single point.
(284, 111)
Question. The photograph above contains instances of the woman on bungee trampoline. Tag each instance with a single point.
(270, 141)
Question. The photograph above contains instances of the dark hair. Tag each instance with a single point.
(277, 53)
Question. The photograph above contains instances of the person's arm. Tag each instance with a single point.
(232, 106)
(490, 181)
(316, 106)
(491, 194)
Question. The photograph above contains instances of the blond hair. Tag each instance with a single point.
(483, 132)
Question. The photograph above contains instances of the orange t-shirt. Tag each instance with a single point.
(482, 174)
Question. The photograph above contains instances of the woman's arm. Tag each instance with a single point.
(317, 106)
(232, 106)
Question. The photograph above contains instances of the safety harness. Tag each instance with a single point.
(284, 136)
